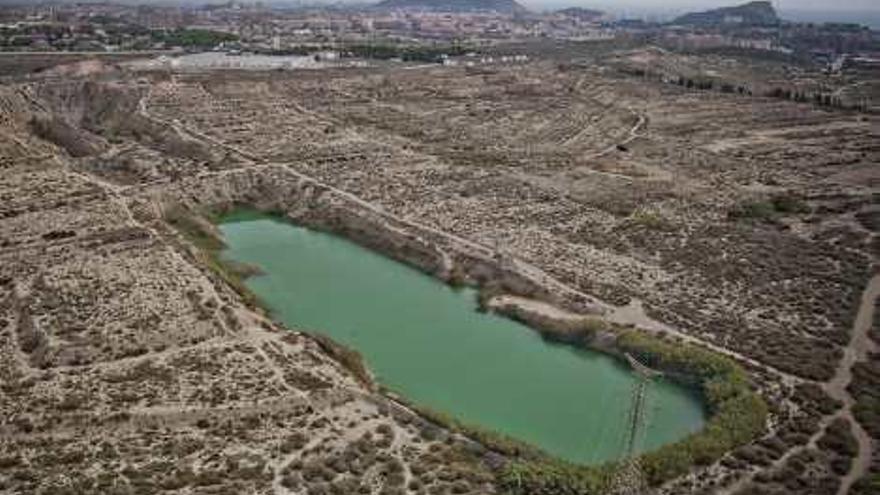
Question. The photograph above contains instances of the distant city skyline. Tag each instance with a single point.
(814, 5)
(866, 12)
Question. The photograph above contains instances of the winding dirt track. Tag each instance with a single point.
(617, 314)
(857, 349)
(623, 315)
(859, 346)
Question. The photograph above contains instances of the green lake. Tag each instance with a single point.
(427, 342)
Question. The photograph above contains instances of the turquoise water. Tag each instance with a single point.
(426, 341)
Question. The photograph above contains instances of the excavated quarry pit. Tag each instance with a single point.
(426, 341)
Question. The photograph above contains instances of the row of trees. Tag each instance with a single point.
(709, 84)
(193, 38)
(704, 84)
(414, 53)
(818, 98)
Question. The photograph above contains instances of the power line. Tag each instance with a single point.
(628, 479)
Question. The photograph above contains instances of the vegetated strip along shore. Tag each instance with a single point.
(737, 413)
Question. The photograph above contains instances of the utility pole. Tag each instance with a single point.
(629, 479)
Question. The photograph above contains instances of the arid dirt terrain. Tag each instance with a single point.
(742, 223)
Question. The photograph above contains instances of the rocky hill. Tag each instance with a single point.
(506, 6)
(760, 13)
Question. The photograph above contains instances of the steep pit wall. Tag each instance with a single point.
(84, 116)
(310, 204)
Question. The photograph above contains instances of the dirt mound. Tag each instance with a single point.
(83, 113)
(60, 133)
(80, 68)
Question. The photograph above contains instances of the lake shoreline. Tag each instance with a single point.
(312, 205)
(404, 322)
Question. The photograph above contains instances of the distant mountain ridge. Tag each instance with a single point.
(760, 13)
(506, 6)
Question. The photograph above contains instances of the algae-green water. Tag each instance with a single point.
(427, 342)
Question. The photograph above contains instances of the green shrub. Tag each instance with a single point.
(349, 358)
(553, 478)
(753, 210)
(650, 220)
(579, 332)
(770, 209)
(410, 53)
(194, 38)
(789, 203)
(195, 227)
(737, 416)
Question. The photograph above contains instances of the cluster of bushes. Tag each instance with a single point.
(194, 38)
(818, 98)
(709, 85)
(347, 357)
(413, 53)
(769, 209)
(701, 84)
(840, 445)
(554, 478)
(197, 230)
(865, 388)
(650, 220)
(737, 416)
(868, 484)
(579, 331)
